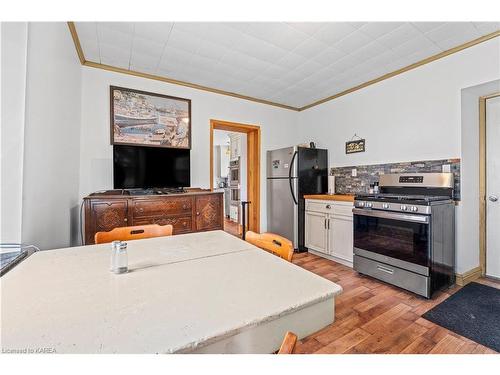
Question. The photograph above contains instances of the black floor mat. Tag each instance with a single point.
(472, 312)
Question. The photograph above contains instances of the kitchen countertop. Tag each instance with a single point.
(331, 197)
(205, 291)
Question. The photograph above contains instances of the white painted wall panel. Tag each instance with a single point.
(52, 137)
(14, 37)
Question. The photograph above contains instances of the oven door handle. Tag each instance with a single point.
(391, 215)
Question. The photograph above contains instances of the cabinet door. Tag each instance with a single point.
(105, 216)
(209, 212)
(316, 232)
(340, 237)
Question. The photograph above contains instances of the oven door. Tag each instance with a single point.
(401, 236)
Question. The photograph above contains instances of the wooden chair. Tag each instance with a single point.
(133, 233)
(273, 243)
(288, 344)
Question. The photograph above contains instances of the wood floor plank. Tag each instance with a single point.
(448, 345)
(345, 342)
(375, 317)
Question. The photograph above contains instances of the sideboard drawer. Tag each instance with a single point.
(160, 207)
(182, 224)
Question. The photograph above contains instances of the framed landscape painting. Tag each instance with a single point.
(147, 119)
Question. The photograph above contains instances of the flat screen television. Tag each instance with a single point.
(138, 167)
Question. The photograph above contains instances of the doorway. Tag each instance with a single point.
(250, 180)
(489, 109)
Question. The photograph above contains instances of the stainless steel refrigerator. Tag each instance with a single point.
(293, 172)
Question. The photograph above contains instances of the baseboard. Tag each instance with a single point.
(466, 277)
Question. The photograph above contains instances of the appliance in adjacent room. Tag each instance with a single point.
(139, 167)
(405, 235)
(293, 172)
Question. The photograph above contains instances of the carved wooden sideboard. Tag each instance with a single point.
(193, 211)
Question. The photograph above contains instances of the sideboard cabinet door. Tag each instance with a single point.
(105, 216)
(209, 212)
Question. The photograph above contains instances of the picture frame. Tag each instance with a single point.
(355, 146)
(141, 118)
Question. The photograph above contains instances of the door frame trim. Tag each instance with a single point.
(482, 180)
(253, 165)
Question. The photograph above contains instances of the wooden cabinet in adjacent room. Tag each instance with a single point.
(186, 212)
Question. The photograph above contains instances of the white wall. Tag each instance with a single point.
(412, 116)
(52, 142)
(278, 127)
(14, 50)
(468, 210)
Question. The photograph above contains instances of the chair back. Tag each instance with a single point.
(288, 344)
(272, 243)
(133, 233)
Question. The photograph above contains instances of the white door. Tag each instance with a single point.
(341, 234)
(493, 187)
(316, 236)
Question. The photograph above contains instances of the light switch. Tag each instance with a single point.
(354, 172)
(446, 168)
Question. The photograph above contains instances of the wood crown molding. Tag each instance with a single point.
(427, 60)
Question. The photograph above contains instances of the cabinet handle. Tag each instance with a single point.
(325, 223)
(197, 213)
(328, 206)
(328, 223)
(125, 219)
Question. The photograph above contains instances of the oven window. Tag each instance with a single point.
(394, 238)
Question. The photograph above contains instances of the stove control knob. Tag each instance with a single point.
(369, 204)
(385, 205)
(360, 204)
(404, 208)
(413, 208)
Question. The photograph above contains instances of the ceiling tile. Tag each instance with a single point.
(449, 30)
(306, 27)
(154, 31)
(352, 42)
(114, 37)
(399, 36)
(416, 44)
(332, 33)
(427, 26)
(377, 29)
(310, 48)
(487, 27)
(328, 56)
(277, 33)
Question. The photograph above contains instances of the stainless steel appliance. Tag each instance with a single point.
(405, 235)
(293, 172)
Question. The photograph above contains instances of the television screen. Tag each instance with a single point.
(150, 167)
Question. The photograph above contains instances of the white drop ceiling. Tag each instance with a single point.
(294, 64)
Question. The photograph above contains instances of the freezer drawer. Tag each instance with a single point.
(393, 275)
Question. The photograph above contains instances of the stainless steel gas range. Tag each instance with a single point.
(405, 235)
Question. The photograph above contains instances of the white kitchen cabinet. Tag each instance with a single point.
(329, 230)
(316, 232)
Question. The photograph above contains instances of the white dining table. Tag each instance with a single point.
(206, 292)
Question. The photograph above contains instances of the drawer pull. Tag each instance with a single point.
(385, 269)
(328, 206)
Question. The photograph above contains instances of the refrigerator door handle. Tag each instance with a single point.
(290, 178)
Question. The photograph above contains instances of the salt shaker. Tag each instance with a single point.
(119, 258)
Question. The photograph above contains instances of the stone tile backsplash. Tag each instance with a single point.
(368, 174)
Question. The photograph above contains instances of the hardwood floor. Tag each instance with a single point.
(374, 317)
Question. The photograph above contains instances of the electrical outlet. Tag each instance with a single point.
(354, 172)
(446, 168)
